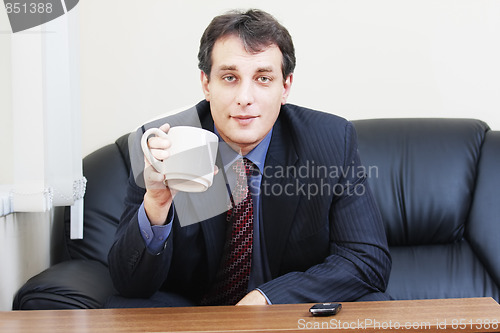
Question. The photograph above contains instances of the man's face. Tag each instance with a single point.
(245, 91)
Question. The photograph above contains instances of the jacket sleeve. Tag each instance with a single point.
(358, 261)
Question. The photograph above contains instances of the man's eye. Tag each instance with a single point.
(229, 78)
(264, 79)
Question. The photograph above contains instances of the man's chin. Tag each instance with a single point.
(244, 144)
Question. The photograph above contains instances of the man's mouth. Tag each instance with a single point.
(244, 119)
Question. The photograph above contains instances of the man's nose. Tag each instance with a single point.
(245, 94)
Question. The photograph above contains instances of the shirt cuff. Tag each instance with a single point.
(265, 296)
(155, 237)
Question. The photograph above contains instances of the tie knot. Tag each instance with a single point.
(243, 167)
(243, 170)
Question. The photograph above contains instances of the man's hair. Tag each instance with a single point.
(256, 29)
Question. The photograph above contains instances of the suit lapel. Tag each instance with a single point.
(280, 195)
(214, 229)
(206, 210)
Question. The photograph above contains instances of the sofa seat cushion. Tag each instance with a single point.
(439, 271)
(72, 284)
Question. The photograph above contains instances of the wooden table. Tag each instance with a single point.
(444, 315)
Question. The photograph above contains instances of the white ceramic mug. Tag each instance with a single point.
(190, 166)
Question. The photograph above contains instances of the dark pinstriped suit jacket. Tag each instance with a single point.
(323, 233)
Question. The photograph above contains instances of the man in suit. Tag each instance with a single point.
(315, 231)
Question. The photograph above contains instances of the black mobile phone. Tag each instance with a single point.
(325, 309)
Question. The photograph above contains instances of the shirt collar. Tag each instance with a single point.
(256, 155)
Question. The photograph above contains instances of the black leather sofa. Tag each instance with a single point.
(436, 182)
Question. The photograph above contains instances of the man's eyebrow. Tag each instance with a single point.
(233, 68)
(227, 68)
(265, 69)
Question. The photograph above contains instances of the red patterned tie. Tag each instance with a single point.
(232, 278)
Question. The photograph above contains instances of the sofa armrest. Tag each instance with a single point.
(73, 284)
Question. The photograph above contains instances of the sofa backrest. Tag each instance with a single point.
(107, 172)
(428, 177)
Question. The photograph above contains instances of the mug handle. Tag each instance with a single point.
(157, 164)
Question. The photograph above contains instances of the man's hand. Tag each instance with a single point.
(253, 298)
(158, 197)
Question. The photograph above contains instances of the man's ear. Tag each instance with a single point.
(287, 86)
(205, 85)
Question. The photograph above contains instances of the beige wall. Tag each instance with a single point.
(24, 251)
(358, 59)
